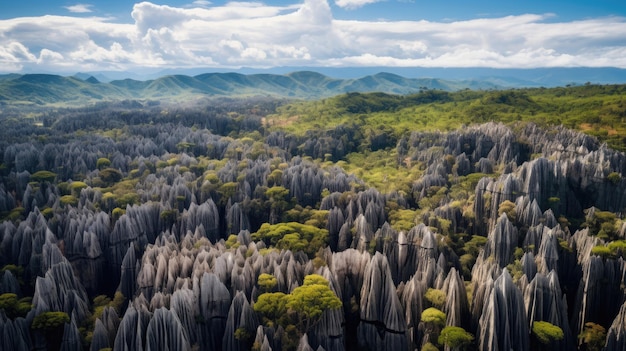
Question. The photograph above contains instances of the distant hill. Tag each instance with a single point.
(83, 88)
(80, 89)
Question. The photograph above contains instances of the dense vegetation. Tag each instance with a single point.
(439, 220)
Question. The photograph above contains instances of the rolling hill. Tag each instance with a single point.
(42, 89)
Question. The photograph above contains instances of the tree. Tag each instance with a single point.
(436, 297)
(103, 162)
(51, 325)
(273, 307)
(455, 337)
(614, 178)
(546, 332)
(267, 281)
(434, 316)
(433, 320)
(593, 336)
(293, 236)
(14, 307)
(508, 207)
(310, 300)
(50, 320)
(43, 176)
(110, 175)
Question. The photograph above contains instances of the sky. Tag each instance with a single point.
(113, 35)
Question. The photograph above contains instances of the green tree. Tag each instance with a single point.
(50, 320)
(434, 316)
(455, 337)
(593, 336)
(43, 176)
(69, 200)
(51, 325)
(436, 297)
(273, 307)
(429, 347)
(293, 236)
(279, 202)
(103, 163)
(433, 320)
(508, 207)
(546, 332)
(110, 175)
(267, 281)
(310, 300)
(14, 307)
(614, 178)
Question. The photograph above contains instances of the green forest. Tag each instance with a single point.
(436, 220)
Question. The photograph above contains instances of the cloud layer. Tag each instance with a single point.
(252, 34)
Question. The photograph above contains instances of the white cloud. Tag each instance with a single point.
(201, 3)
(79, 8)
(256, 35)
(354, 4)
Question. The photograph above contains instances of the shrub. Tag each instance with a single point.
(69, 200)
(614, 178)
(43, 176)
(50, 320)
(436, 297)
(434, 316)
(455, 337)
(103, 163)
(547, 332)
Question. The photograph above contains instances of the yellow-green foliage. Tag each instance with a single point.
(232, 242)
(14, 307)
(16, 213)
(434, 316)
(293, 236)
(117, 213)
(429, 347)
(614, 178)
(103, 163)
(455, 337)
(379, 169)
(436, 297)
(43, 176)
(593, 336)
(508, 207)
(267, 281)
(602, 224)
(602, 251)
(47, 212)
(594, 109)
(546, 332)
(110, 175)
(69, 200)
(78, 186)
(402, 219)
(311, 299)
(307, 302)
(50, 320)
(272, 306)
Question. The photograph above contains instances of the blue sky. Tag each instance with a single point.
(392, 9)
(66, 36)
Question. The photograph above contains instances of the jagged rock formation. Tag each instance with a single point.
(180, 249)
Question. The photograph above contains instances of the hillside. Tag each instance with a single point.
(436, 220)
(42, 89)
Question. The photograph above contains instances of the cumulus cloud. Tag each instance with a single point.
(79, 8)
(256, 35)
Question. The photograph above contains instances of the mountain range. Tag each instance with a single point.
(82, 88)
